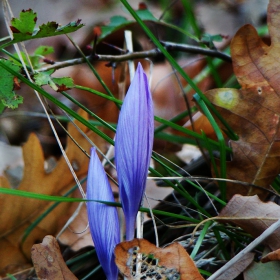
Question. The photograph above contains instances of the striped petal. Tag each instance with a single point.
(133, 146)
(103, 219)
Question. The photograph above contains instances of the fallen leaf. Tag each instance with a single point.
(11, 157)
(253, 111)
(272, 256)
(21, 275)
(19, 212)
(80, 223)
(171, 262)
(201, 123)
(253, 216)
(237, 268)
(48, 261)
(260, 271)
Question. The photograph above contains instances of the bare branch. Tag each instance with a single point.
(144, 54)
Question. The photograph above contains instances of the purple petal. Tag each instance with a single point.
(133, 146)
(103, 219)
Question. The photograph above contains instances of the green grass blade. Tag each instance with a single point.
(221, 140)
(39, 196)
(200, 239)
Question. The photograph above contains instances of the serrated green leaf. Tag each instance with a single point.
(23, 28)
(57, 84)
(43, 78)
(25, 24)
(7, 94)
(66, 81)
(12, 101)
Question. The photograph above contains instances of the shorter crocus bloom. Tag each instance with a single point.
(103, 219)
(133, 146)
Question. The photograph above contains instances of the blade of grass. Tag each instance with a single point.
(189, 132)
(221, 243)
(39, 196)
(221, 140)
(200, 239)
(175, 119)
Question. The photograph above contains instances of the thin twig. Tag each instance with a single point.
(137, 55)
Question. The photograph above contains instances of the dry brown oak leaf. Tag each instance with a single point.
(170, 262)
(253, 216)
(17, 213)
(253, 111)
(272, 256)
(48, 261)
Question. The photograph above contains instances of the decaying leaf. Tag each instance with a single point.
(253, 111)
(237, 268)
(260, 271)
(254, 216)
(171, 262)
(79, 224)
(272, 256)
(17, 213)
(48, 261)
(201, 123)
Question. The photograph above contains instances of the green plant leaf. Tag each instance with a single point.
(43, 78)
(25, 24)
(7, 95)
(145, 14)
(2, 107)
(209, 39)
(23, 28)
(65, 81)
(35, 58)
(44, 50)
(118, 22)
(57, 84)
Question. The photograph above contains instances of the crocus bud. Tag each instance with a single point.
(133, 146)
(103, 219)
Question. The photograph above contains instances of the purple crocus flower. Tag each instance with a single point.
(103, 219)
(133, 146)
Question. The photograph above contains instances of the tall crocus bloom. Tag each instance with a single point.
(103, 219)
(133, 146)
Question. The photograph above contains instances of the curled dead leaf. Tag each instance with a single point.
(272, 256)
(48, 261)
(170, 262)
(253, 216)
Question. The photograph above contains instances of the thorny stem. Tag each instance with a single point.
(144, 54)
